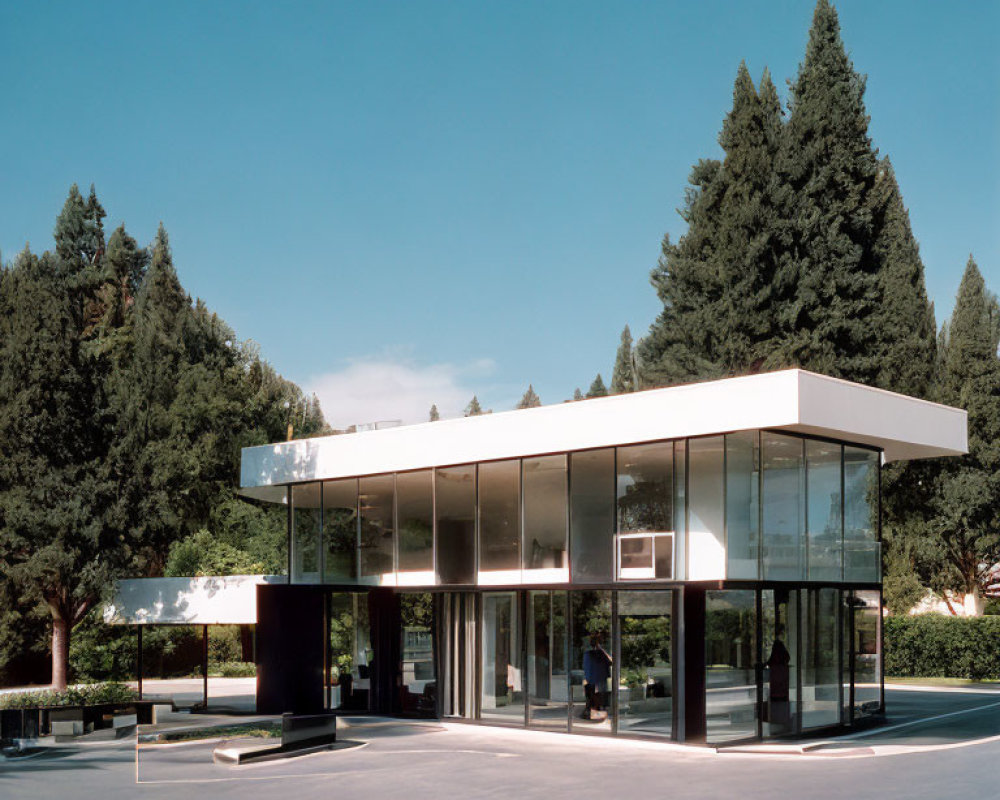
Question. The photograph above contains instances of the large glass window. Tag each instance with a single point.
(340, 530)
(502, 697)
(824, 523)
(780, 638)
(592, 515)
(591, 662)
(455, 493)
(415, 524)
(499, 522)
(743, 504)
(861, 550)
(730, 673)
(548, 684)
(784, 507)
(375, 497)
(646, 692)
(418, 692)
(645, 514)
(305, 533)
(545, 520)
(706, 509)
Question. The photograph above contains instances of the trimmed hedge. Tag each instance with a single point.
(932, 646)
(83, 695)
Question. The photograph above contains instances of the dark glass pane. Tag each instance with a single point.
(305, 533)
(545, 520)
(455, 491)
(340, 530)
(415, 520)
(820, 658)
(646, 652)
(350, 651)
(500, 522)
(867, 654)
(780, 637)
(375, 496)
(592, 508)
(419, 683)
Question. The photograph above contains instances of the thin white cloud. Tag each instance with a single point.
(391, 388)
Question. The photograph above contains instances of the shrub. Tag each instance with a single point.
(932, 646)
(82, 695)
(234, 669)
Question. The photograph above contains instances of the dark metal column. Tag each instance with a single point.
(694, 664)
(204, 664)
(138, 659)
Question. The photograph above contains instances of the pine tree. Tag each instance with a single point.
(577, 394)
(967, 491)
(529, 399)
(54, 487)
(623, 375)
(435, 416)
(473, 409)
(597, 388)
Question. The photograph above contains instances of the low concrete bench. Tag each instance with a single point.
(300, 734)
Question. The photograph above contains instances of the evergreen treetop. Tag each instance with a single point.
(597, 388)
(623, 375)
(529, 399)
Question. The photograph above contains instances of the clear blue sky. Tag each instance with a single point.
(444, 198)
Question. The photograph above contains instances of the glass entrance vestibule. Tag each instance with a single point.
(682, 663)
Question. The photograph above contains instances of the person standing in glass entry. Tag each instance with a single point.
(778, 661)
(596, 671)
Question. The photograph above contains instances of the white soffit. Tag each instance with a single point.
(227, 600)
(793, 400)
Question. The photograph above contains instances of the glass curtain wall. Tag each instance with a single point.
(376, 496)
(305, 566)
(783, 507)
(743, 505)
(415, 526)
(867, 653)
(592, 515)
(821, 657)
(591, 663)
(350, 651)
(730, 665)
(645, 494)
(455, 512)
(340, 530)
(824, 528)
(548, 677)
(780, 650)
(546, 520)
(501, 662)
(646, 679)
(500, 522)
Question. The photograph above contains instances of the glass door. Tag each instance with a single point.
(730, 665)
(548, 680)
(502, 695)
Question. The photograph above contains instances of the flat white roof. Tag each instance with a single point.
(789, 400)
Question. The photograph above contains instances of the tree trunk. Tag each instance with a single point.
(60, 651)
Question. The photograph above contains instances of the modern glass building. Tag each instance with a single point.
(700, 563)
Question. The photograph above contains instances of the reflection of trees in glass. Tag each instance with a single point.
(376, 546)
(645, 643)
(342, 632)
(645, 506)
(416, 536)
(341, 539)
(417, 610)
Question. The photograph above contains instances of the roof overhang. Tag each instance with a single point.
(217, 600)
(790, 400)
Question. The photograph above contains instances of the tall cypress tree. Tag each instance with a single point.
(623, 374)
(829, 169)
(906, 342)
